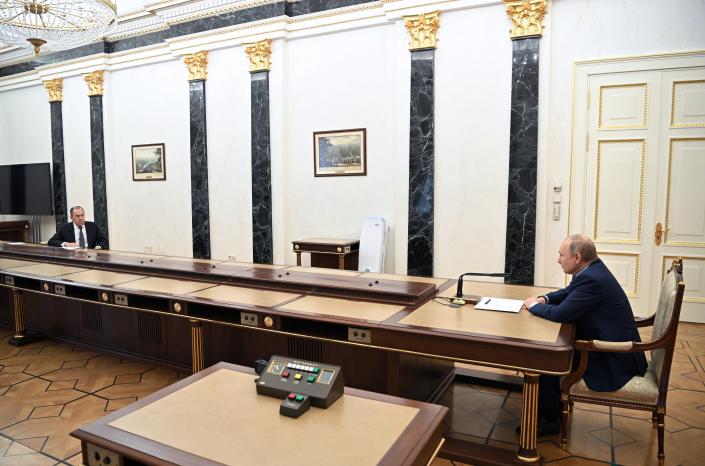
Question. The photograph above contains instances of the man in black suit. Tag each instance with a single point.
(598, 306)
(79, 233)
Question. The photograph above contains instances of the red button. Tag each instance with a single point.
(292, 396)
(285, 374)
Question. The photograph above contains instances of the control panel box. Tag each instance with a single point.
(322, 383)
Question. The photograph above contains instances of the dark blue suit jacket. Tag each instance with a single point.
(596, 303)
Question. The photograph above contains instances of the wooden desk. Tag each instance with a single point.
(16, 230)
(204, 312)
(330, 253)
(216, 417)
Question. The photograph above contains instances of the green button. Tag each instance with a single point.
(311, 378)
(316, 370)
(299, 398)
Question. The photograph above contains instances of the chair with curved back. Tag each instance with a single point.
(647, 392)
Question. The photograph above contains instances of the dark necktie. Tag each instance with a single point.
(81, 239)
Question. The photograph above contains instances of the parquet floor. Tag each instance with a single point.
(47, 389)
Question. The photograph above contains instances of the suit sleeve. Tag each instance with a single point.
(584, 296)
(100, 239)
(557, 297)
(57, 239)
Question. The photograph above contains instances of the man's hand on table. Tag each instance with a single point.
(528, 302)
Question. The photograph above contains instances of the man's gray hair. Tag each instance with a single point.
(584, 245)
(74, 208)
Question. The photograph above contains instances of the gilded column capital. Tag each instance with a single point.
(95, 82)
(55, 88)
(526, 17)
(422, 30)
(197, 63)
(259, 54)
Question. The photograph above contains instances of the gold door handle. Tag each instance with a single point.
(660, 234)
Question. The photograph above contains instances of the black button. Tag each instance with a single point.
(96, 455)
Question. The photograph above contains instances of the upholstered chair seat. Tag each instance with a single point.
(641, 390)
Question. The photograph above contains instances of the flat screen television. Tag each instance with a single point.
(25, 189)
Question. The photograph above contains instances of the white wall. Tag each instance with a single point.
(327, 80)
(229, 158)
(340, 81)
(149, 104)
(593, 29)
(25, 135)
(472, 142)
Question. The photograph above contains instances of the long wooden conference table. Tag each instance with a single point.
(387, 332)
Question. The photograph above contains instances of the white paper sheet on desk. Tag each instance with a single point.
(71, 247)
(488, 303)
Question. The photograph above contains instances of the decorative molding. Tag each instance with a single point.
(55, 88)
(526, 17)
(259, 54)
(95, 82)
(197, 64)
(422, 30)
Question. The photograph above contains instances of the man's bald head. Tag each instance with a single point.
(582, 244)
(576, 253)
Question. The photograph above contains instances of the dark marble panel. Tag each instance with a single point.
(54, 57)
(521, 209)
(100, 194)
(200, 218)
(304, 7)
(58, 172)
(421, 154)
(261, 170)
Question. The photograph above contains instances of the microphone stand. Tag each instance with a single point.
(459, 290)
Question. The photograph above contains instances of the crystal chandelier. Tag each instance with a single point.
(55, 24)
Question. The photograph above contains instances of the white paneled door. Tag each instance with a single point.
(638, 174)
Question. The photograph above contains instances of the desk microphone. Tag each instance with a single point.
(459, 291)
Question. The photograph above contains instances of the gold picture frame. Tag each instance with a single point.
(340, 153)
(148, 162)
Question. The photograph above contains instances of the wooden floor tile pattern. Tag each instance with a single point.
(47, 389)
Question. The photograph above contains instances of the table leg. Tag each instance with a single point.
(197, 358)
(529, 420)
(341, 262)
(298, 258)
(21, 336)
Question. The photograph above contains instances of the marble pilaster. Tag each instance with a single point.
(200, 217)
(100, 194)
(421, 161)
(58, 174)
(521, 208)
(262, 247)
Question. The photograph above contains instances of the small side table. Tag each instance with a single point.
(328, 252)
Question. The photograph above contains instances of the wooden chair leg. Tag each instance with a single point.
(570, 406)
(654, 418)
(565, 406)
(660, 425)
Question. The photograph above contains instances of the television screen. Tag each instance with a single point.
(25, 189)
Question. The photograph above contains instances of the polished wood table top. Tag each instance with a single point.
(217, 417)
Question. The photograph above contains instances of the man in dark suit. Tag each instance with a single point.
(596, 303)
(79, 233)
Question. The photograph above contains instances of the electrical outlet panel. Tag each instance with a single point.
(60, 289)
(247, 318)
(120, 299)
(10, 281)
(98, 456)
(359, 335)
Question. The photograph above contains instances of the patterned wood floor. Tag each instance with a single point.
(47, 389)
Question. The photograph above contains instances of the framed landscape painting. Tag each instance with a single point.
(148, 162)
(340, 153)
